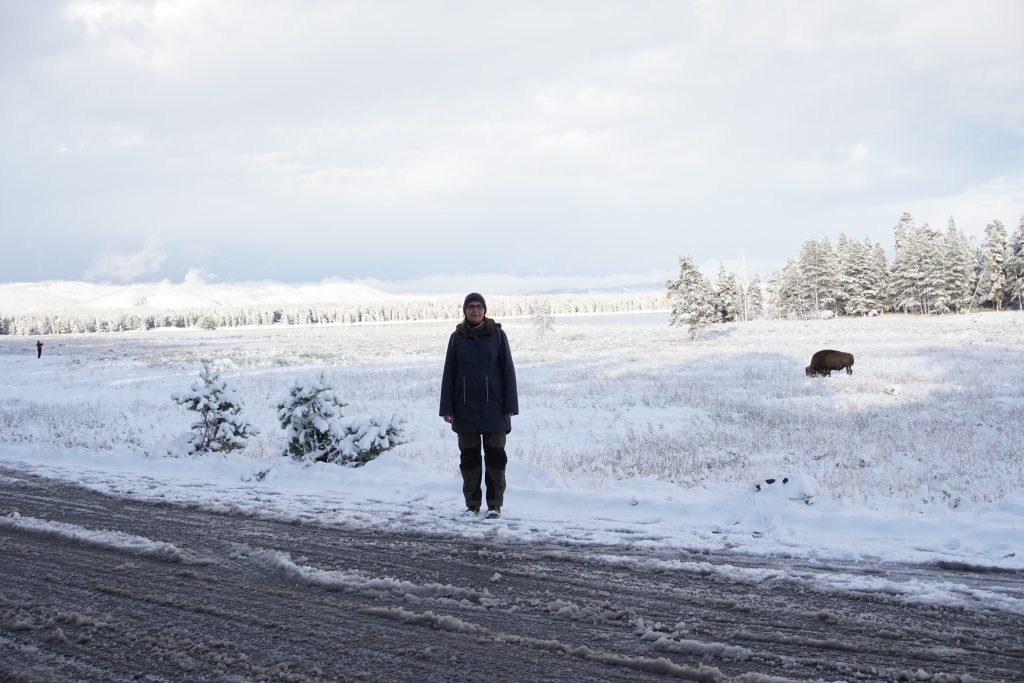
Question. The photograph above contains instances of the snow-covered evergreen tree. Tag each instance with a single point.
(992, 278)
(317, 431)
(727, 295)
(960, 260)
(906, 265)
(1015, 266)
(858, 282)
(220, 427)
(788, 294)
(819, 272)
(691, 297)
(920, 270)
(932, 286)
(880, 291)
(848, 285)
(755, 298)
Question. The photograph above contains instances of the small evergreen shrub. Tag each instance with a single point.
(318, 431)
(219, 427)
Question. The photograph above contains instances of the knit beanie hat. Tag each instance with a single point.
(470, 298)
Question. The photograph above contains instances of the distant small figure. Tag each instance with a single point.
(39, 349)
(825, 361)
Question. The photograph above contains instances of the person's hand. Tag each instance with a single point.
(448, 418)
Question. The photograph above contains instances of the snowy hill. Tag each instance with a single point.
(193, 293)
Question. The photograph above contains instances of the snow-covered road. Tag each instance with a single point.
(101, 588)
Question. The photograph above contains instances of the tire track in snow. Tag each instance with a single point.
(114, 540)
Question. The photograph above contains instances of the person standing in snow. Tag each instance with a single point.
(39, 349)
(478, 399)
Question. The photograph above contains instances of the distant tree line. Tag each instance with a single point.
(396, 309)
(931, 272)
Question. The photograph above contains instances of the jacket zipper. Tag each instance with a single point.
(487, 389)
(463, 391)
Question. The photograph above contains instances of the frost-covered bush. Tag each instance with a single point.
(220, 427)
(543, 323)
(317, 431)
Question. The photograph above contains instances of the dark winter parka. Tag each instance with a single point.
(479, 383)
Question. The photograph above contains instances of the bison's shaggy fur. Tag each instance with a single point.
(827, 360)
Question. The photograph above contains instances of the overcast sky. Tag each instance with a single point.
(547, 143)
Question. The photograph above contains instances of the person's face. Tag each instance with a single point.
(475, 312)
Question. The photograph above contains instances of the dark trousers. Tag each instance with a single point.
(491, 468)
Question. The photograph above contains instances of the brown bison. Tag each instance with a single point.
(827, 360)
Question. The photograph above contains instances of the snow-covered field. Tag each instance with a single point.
(629, 432)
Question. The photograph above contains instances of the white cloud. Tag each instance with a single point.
(102, 16)
(578, 142)
(127, 266)
(857, 152)
(123, 137)
(142, 32)
(975, 206)
(575, 139)
(590, 101)
(197, 276)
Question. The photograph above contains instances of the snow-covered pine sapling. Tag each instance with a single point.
(317, 431)
(369, 436)
(543, 323)
(310, 417)
(220, 427)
